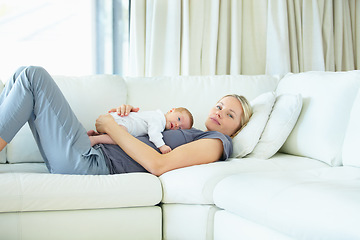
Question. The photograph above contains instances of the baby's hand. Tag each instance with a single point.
(165, 149)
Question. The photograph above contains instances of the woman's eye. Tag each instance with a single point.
(218, 107)
(178, 119)
(230, 115)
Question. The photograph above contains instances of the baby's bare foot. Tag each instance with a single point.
(92, 133)
(92, 140)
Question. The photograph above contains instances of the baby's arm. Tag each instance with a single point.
(155, 129)
(156, 139)
(165, 149)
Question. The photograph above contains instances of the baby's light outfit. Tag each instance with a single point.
(151, 123)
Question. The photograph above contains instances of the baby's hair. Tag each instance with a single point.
(182, 109)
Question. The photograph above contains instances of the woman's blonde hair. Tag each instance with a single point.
(246, 114)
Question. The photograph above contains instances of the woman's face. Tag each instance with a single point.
(225, 116)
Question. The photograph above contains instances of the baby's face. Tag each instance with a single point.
(177, 120)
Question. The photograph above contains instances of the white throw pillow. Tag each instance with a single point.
(282, 120)
(350, 151)
(249, 136)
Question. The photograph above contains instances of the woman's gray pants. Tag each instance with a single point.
(32, 96)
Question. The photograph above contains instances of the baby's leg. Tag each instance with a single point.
(96, 138)
(102, 138)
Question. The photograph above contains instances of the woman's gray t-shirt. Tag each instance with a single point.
(119, 162)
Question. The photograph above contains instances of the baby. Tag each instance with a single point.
(152, 123)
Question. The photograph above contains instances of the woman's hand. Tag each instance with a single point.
(124, 110)
(104, 123)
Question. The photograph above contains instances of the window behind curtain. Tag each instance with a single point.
(112, 36)
(66, 37)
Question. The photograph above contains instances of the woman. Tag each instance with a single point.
(32, 96)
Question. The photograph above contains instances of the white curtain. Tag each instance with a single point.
(207, 37)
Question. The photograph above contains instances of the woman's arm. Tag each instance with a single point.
(193, 153)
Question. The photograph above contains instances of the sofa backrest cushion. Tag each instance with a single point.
(327, 100)
(197, 93)
(88, 96)
(2, 153)
(350, 153)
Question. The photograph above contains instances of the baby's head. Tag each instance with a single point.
(179, 118)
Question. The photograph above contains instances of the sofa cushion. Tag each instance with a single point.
(188, 221)
(317, 204)
(201, 179)
(350, 152)
(249, 136)
(24, 167)
(2, 153)
(88, 224)
(43, 192)
(327, 99)
(87, 104)
(228, 226)
(281, 121)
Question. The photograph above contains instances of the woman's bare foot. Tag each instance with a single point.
(2, 144)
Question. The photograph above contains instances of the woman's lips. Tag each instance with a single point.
(215, 120)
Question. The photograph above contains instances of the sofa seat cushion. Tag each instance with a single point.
(228, 226)
(195, 184)
(24, 167)
(188, 221)
(302, 204)
(43, 192)
(88, 224)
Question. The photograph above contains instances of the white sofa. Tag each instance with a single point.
(305, 188)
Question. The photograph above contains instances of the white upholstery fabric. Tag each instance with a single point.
(228, 226)
(281, 121)
(188, 221)
(350, 151)
(313, 204)
(87, 104)
(197, 93)
(24, 167)
(202, 179)
(2, 153)
(321, 127)
(94, 224)
(245, 141)
(44, 192)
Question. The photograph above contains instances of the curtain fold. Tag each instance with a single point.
(209, 37)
